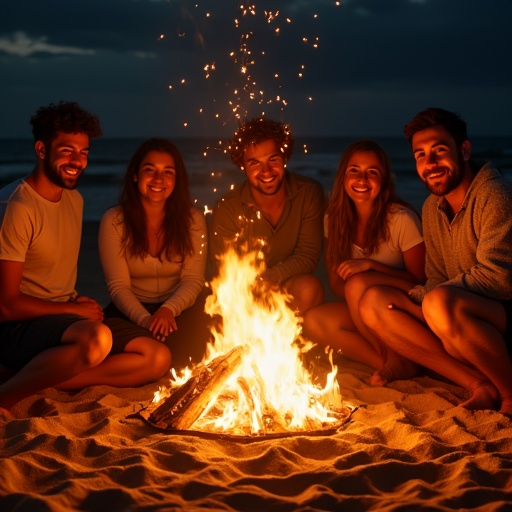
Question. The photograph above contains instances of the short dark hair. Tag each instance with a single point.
(66, 117)
(258, 130)
(450, 121)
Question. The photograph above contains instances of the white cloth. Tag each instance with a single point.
(132, 280)
(404, 233)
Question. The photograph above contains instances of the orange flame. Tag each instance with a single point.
(271, 391)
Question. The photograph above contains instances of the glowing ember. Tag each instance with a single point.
(256, 359)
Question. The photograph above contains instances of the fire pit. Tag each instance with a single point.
(252, 382)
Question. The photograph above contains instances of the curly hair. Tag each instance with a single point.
(342, 214)
(66, 117)
(258, 130)
(178, 206)
(430, 117)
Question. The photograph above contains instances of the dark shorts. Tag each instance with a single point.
(187, 344)
(20, 342)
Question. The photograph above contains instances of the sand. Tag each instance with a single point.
(406, 447)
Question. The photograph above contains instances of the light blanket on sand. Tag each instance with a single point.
(406, 447)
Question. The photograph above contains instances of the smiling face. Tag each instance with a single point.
(363, 177)
(264, 167)
(439, 162)
(156, 177)
(65, 159)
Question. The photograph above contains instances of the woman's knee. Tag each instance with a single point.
(373, 305)
(160, 361)
(156, 355)
(355, 288)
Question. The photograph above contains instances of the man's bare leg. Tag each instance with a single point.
(84, 345)
(471, 330)
(399, 323)
(306, 291)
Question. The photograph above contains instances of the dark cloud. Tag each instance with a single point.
(364, 66)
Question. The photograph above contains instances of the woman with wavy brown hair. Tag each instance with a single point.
(372, 237)
(153, 253)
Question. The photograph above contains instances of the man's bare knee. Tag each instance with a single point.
(94, 340)
(438, 309)
(307, 291)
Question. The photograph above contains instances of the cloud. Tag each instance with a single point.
(21, 45)
(361, 11)
(145, 55)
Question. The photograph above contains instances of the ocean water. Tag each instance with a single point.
(211, 171)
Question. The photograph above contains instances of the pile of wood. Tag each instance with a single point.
(198, 397)
(180, 410)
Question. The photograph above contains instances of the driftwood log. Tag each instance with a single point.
(181, 409)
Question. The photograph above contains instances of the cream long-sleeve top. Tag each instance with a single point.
(132, 281)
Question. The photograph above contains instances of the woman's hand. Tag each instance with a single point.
(350, 267)
(162, 323)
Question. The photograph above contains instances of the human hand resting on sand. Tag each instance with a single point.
(161, 323)
(350, 267)
(88, 308)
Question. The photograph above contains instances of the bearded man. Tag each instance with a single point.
(459, 323)
(49, 335)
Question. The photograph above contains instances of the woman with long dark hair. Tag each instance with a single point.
(372, 237)
(153, 252)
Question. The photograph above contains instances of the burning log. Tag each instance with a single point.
(180, 410)
(259, 389)
(272, 418)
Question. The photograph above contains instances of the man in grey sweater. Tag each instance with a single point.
(459, 323)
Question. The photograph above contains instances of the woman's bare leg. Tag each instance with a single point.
(393, 365)
(330, 325)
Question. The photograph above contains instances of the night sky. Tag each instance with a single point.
(360, 68)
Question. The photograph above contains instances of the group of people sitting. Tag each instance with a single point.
(431, 291)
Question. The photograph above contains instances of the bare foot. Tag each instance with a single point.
(377, 379)
(5, 415)
(484, 396)
(394, 368)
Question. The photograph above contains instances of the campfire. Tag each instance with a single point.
(253, 381)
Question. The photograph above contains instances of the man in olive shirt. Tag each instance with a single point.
(275, 211)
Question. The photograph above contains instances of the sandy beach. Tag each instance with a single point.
(406, 447)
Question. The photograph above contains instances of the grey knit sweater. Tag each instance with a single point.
(474, 250)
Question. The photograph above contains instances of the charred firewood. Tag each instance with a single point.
(180, 410)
